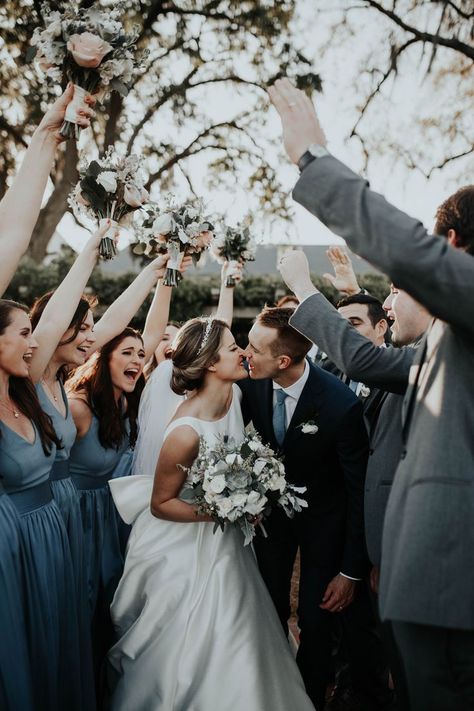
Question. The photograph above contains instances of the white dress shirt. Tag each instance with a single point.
(294, 392)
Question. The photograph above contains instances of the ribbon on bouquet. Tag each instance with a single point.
(131, 495)
(233, 270)
(77, 103)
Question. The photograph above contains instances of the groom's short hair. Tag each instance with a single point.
(289, 341)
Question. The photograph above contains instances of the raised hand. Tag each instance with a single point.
(54, 117)
(234, 270)
(298, 117)
(344, 278)
(294, 269)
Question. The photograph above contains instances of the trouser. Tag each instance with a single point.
(439, 666)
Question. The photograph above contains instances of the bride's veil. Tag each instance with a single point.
(157, 406)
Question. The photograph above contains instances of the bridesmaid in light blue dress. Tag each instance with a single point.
(15, 681)
(27, 450)
(103, 398)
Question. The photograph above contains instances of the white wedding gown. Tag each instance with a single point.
(196, 628)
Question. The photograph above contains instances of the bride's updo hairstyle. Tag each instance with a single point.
(195, 348)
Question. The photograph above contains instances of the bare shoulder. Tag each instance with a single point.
(182, 443)
(81, 412)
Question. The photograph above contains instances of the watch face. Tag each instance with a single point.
(317, 150)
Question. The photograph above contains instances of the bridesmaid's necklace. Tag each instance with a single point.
(49, 389)
(11, 409)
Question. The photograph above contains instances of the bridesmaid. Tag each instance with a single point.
(15, 682)
(103, 398)
(27, 449)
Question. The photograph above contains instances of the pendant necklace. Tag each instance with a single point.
(11, 409)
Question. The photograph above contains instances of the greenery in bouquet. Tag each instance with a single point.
(89, 47)
(177, 230)
(236, 246)
(111, 187)
(240, 483)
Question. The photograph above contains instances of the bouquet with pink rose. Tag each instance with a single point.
(177, 230)
(111, 187)
(89, 47)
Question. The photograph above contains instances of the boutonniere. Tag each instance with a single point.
(364, 391)
(309, 427)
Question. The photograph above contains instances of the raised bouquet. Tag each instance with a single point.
(240, 483)
(88, 46)
(111, 187)
(235, 246)
(177, 230)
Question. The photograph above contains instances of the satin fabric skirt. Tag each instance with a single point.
(66, 497)
(104, 565)
(196, 627)
(15, 681)
(50, 602)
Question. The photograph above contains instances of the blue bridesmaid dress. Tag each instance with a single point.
(15, 679)
(50, 597)
(91, 467)
(66, 497)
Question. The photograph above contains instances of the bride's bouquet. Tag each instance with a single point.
(234, 245)
(88, 46)
(177, 230)
(111, 187)
(240, 483)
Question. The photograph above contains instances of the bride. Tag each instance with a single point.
(196, 628)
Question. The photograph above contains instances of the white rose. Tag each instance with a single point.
(238, 499)
(217, 484)
(255, 503)
(163, 225)
(108, 180)
(364, 391)
(309, 429)
(254, 445)
(224, 507)
(277, 483)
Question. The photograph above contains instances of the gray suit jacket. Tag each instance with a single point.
(386, 368)
(427, 571)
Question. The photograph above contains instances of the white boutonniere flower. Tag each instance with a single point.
(364, 391)
(309, 427)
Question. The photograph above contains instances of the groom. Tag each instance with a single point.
(316, 423)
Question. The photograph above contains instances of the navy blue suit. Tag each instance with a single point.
(330, 533)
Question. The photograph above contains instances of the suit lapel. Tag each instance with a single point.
(307, 407)
(410, 395)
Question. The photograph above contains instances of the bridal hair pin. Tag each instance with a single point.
(207, 333)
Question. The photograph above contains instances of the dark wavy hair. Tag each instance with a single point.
(23, 392)
(457, 213)
(93, 379)
(85, 304)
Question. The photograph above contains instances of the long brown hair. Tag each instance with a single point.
(93, 379)
(85, 304)
(23, 392)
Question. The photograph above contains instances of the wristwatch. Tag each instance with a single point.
(315, 150)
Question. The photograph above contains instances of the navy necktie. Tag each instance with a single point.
(279, 416)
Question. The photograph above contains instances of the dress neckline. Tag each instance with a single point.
(27, 441)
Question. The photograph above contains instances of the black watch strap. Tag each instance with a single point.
(305, 160)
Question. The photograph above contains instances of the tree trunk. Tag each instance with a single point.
(52, 212)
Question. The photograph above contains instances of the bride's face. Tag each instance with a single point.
(230, 366)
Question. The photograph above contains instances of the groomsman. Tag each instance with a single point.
(316, 422)
(427, 577)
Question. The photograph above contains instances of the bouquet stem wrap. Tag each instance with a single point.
(232, 270)
(70, 127)
(173, 275)
(107, 248)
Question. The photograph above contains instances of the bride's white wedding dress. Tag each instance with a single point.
(196, 628)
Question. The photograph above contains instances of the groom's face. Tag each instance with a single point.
(262, 362)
